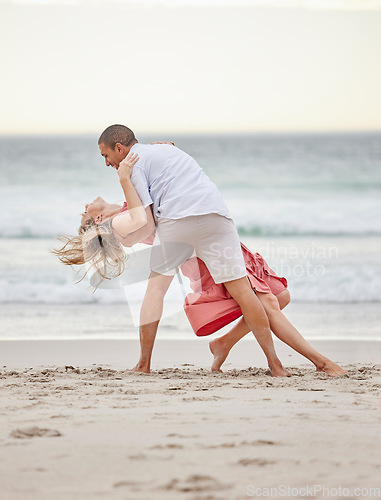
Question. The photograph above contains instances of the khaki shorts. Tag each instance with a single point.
(212, 238)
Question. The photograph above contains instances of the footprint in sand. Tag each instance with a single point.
(139, 456)
(172, 446)
(173, 434)
(195, 483)
(29, 432)
(131, 485)
(261, 462)
(258, 442)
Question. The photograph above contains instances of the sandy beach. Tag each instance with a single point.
(72, 426)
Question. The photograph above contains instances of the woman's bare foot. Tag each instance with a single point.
(220, 353)
(330, 368)
(277, 370)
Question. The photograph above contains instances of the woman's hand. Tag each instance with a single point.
(125, 166)
(163, 142)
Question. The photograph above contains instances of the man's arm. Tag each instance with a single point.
(142, 233)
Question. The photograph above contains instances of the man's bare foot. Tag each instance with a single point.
(141, 369)
(331, 369)
(277, 370)
(220, 353)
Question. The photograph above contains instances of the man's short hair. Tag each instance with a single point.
(116, 133)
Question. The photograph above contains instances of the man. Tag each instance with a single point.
(187, 207)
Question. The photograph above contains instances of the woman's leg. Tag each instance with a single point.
(220, 347)
(288, 334)
(282, 328)
(283, 299)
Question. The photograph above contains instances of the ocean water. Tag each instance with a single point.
(311, 204)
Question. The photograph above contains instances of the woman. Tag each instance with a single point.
(210, 307)
(102, 234)
(103, 229)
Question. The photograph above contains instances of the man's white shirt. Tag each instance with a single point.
(174, 183)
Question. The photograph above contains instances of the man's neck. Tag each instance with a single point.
(129, 148)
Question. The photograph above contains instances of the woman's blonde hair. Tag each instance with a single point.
(97, 245)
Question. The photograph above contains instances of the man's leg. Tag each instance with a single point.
(150, 315)
(221, 347)
(256, 319)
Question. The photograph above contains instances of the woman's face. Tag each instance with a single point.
(93, 210)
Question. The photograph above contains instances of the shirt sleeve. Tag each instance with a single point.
(139, 180)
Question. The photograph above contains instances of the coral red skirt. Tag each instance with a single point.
(209, 306)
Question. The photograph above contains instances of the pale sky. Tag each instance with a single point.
(190, 66)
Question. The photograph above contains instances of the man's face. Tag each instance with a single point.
(112, 156)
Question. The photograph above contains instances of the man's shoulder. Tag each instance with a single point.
(150, 148)
(142, 145)
(160, 153)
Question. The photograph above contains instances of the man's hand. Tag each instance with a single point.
(125, 166)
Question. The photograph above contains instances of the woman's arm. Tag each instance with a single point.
(141, 234)
(136, 217)
(163, 142)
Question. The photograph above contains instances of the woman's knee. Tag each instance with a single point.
(269, 302)
(283, 298)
